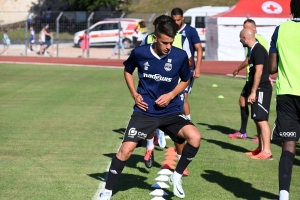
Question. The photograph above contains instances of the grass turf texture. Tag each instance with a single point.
(60, 126)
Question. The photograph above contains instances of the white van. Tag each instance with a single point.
(106, 32)
(195, 17)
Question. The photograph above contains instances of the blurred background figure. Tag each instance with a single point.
(6, 42)
(84, 43)
(119, 43)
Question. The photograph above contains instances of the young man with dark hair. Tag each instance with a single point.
(195, 45)
(157, 104)
(181, 42)
(284, 59)
(259, 93)
(244, 109)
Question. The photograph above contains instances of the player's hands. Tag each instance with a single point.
(196, 73)
(235, 72)
(163, 100)
(139, 102)
(271, 81)
(252, 98)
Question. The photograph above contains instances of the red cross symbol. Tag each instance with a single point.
(272, 8)
(203, 31)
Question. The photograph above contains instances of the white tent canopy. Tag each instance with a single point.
(222, 30)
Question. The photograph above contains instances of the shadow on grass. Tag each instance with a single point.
(120, 130)
(236, 186)
(223, 129)
(134, 160)
(226, 145)
(125, 181)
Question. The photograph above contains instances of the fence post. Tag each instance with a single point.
(26, 34)
(88, 32)
(119, 26)
(149, 21)
(57, 32)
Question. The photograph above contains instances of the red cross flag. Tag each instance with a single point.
(271, 7)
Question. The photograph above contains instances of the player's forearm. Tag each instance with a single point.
(179, 88)
(191, 62)
(243, 65)
(199, 50)
(256, 80)
(130, 84)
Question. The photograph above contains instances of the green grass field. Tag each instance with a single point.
(60, 126)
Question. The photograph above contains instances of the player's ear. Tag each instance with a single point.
(154, 38)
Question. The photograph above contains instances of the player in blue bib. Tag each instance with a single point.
(157, 104)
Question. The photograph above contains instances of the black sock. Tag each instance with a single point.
(285, 170)
(188, 154)
(116, 168)
(244, 119)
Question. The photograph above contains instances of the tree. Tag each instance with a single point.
(90, 5)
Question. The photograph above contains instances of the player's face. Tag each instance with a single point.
(243, 40)
(179, 19)
(163, 44)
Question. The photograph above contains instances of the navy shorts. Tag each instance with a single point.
(141, 126)
(287, 123)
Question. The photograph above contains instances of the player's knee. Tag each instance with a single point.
(194, 138)
(125, 152)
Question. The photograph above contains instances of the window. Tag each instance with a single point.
(200, 22)
(187, 20)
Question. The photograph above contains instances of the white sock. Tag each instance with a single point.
(283, 195)
(150, 144)
(178, 156)
(107, 191)
(189, 116)
(176, 176)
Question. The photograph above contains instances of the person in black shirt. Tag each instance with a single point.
(48, 36)
(260, 93)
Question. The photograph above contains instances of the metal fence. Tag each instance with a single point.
(65, 24)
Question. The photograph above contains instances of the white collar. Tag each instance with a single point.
(253, 46)
(155, 55)
(182, 28)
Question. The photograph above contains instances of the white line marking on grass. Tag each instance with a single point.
(60, 64)
(102, 183)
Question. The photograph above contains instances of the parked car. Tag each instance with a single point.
(105, 32)
(196, 17)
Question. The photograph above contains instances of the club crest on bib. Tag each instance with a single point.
(146, 65)
(168, 65)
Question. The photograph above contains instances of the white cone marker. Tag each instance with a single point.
(160, 185)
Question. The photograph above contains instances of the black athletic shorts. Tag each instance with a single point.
(287, 123)
(141, 126)
(245, 92)
(261, 107)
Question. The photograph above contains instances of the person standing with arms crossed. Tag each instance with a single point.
(260, 93)
(244, 109)
(195, 45)
(284, 59)
(157, 104)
